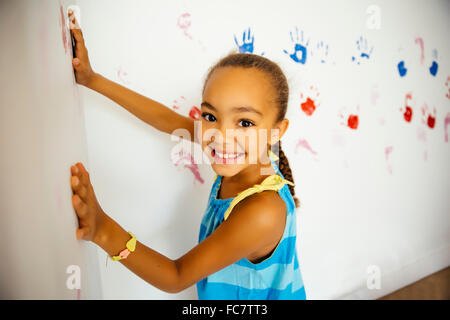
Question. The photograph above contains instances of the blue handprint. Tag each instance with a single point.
(434, 65)
(299, 47)
(401, 68)
(322, 51)
(247, 44)
(363, 48)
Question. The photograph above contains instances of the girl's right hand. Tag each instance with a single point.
(81, 65)
(91, 217)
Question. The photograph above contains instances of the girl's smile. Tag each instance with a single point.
(221, 157)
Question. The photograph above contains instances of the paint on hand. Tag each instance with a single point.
(363, 50)
(406, 109)
(300, 53)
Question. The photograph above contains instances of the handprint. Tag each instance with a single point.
(311, 102)
(407, 109)
(363, 50)
(322, 51)
(434, 64)
(350, 120)
(447, 86)
(300, 48)
(401, 68)
(247, 44)
(428, 117)
(179, 156)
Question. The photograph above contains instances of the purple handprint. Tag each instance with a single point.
(300, 48)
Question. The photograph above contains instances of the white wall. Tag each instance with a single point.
(42, 134)
(374, 196)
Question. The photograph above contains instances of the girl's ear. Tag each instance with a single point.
(278, 131)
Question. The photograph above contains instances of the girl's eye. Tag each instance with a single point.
(204, 115)
(248, 123)
(209, 117)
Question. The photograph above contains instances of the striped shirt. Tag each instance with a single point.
(277, 276)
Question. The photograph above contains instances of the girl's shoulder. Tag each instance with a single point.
(266, 206)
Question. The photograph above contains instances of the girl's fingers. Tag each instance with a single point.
(80, 189)
(75, 28)
(84, 174)
(76, 62)
(78, 35)
(81, 208)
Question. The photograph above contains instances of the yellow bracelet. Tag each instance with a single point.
(131, 246)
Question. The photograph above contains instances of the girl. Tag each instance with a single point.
(247, 237)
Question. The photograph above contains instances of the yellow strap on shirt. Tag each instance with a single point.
(273, 156)
(273, 182)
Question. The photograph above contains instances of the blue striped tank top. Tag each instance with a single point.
(276, 277)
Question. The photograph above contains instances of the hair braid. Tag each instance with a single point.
(283, 165)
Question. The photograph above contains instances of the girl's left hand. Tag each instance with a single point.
(91, 217)
(82, 67)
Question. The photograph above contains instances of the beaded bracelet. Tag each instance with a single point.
(131, 246)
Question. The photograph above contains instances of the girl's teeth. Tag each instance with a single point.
(227, 156)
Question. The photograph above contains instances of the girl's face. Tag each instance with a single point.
(238, 114)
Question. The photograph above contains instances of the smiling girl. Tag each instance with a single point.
(247, 240)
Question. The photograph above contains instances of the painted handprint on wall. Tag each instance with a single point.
(309, 100)
(350, 120)
(434, 65)
(300, 53)
(402, 68)
(364, 51)
(407, 109)
(321, 52)
(248, 42)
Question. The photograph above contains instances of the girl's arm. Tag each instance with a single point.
(148, 110)
(255, 223)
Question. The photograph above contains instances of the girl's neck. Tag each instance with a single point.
(253, 174)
